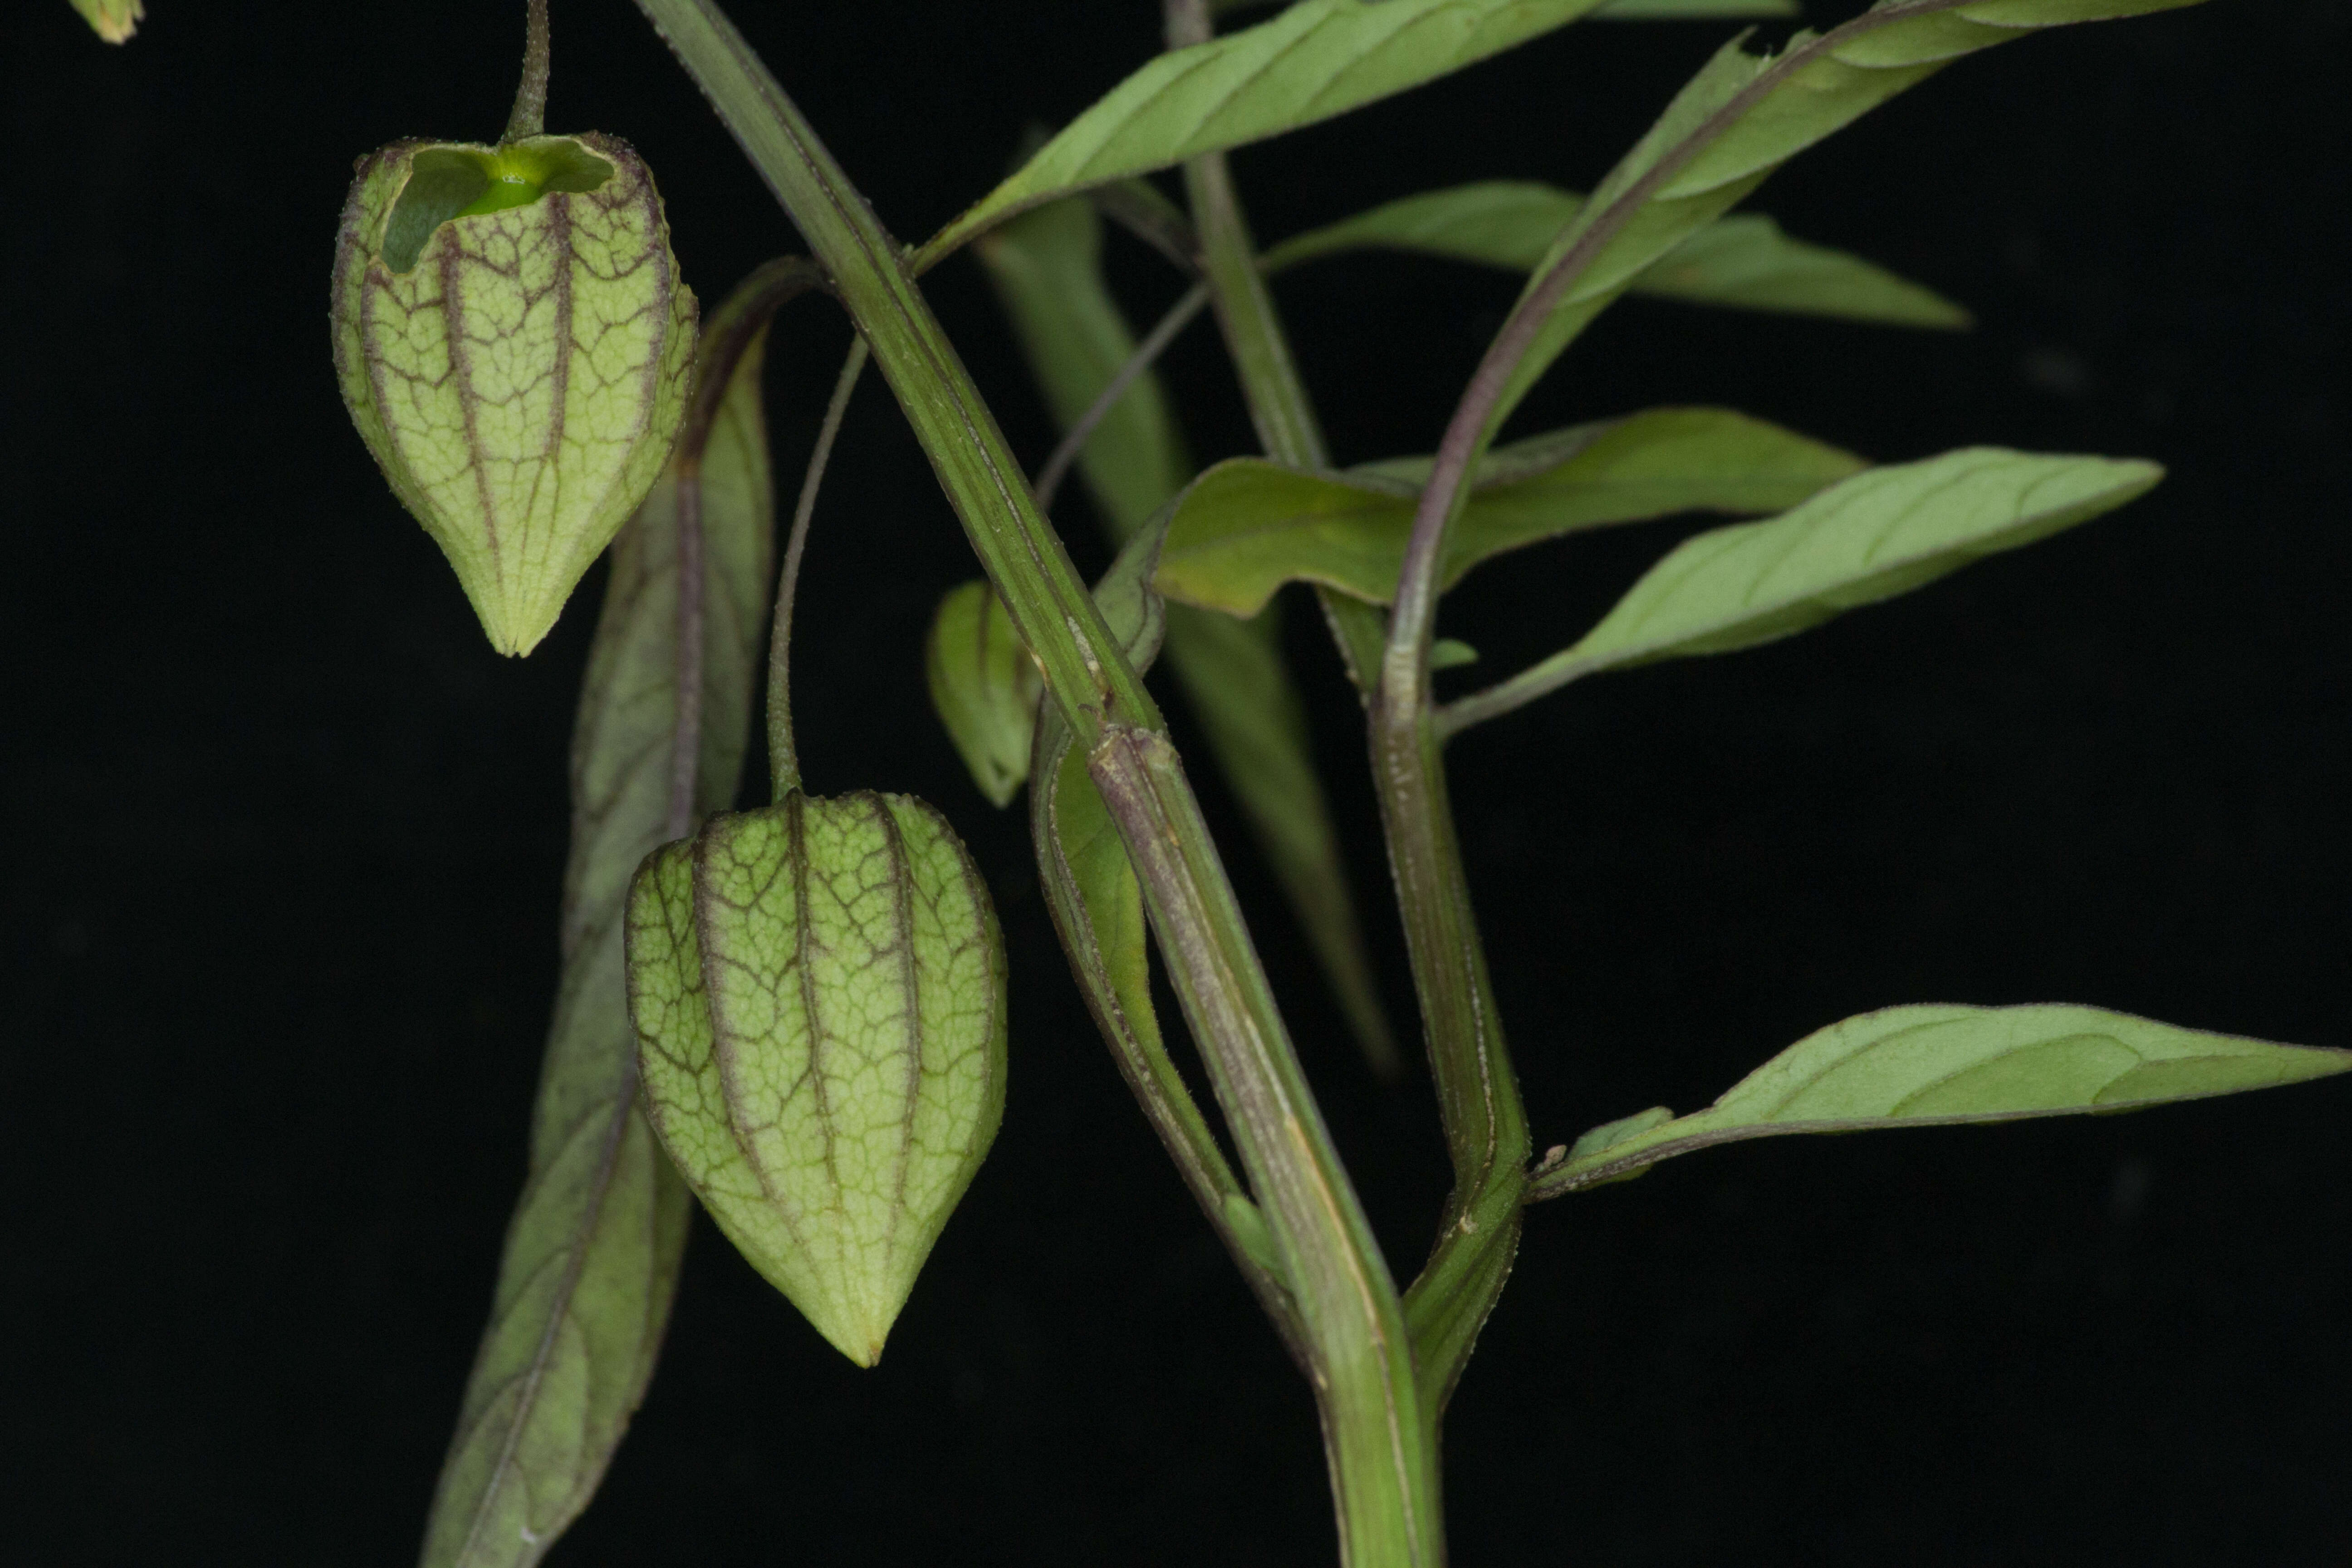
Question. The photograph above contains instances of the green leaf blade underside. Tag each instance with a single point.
(1883, 532)
(1248, 526)
(1945, 1065)
(1317, 58)
(591, 1255)
(1743, 262)
(1046, 267)
(984, 686)
(1743, 116)
(819, 990)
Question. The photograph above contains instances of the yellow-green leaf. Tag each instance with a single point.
(1317, 58)
(1883, 531)
(113, 20)
(1941, 1065)
(984, 688)
(1247, 526)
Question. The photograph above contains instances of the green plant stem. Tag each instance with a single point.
(1378, 1434)
(732, 329)
(1477, 1092)
(1280, 410)
(1057, 465)
(1478, 1097)
(783, 755)
(1140, 1052)
(1482, 1104)
(530, 115)
(1348, 1308)
(1473, 428)
(1137, 206)
(1288, 431)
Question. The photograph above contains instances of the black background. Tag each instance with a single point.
(286, 837)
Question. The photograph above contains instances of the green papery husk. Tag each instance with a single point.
(520, 375)
(819, 995)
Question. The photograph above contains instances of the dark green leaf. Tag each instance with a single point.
(591, 1255)
(1743, 116)
(1507, 223)
(1746, 261)
(1247, 526)
(1939, 1065)
(1742, 261)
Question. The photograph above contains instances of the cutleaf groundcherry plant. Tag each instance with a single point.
(796, 1017)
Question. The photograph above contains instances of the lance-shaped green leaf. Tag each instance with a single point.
(515, 345)
(1939, 1065)
(113, 20)
(1317, 58)
(1882, 533)
(1046, 267)
(1740, 119)
(819, 994)
(1248, 526)
(984, 688)
(591, 1255)
(1744, 262)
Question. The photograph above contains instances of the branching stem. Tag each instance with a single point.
(1348, 1311)
(1413, 616)
(1485, 1128)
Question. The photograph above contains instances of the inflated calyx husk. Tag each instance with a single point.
(516, 347)
(819, 995)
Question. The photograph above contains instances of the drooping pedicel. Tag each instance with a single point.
(819, 995)
(516, 347)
